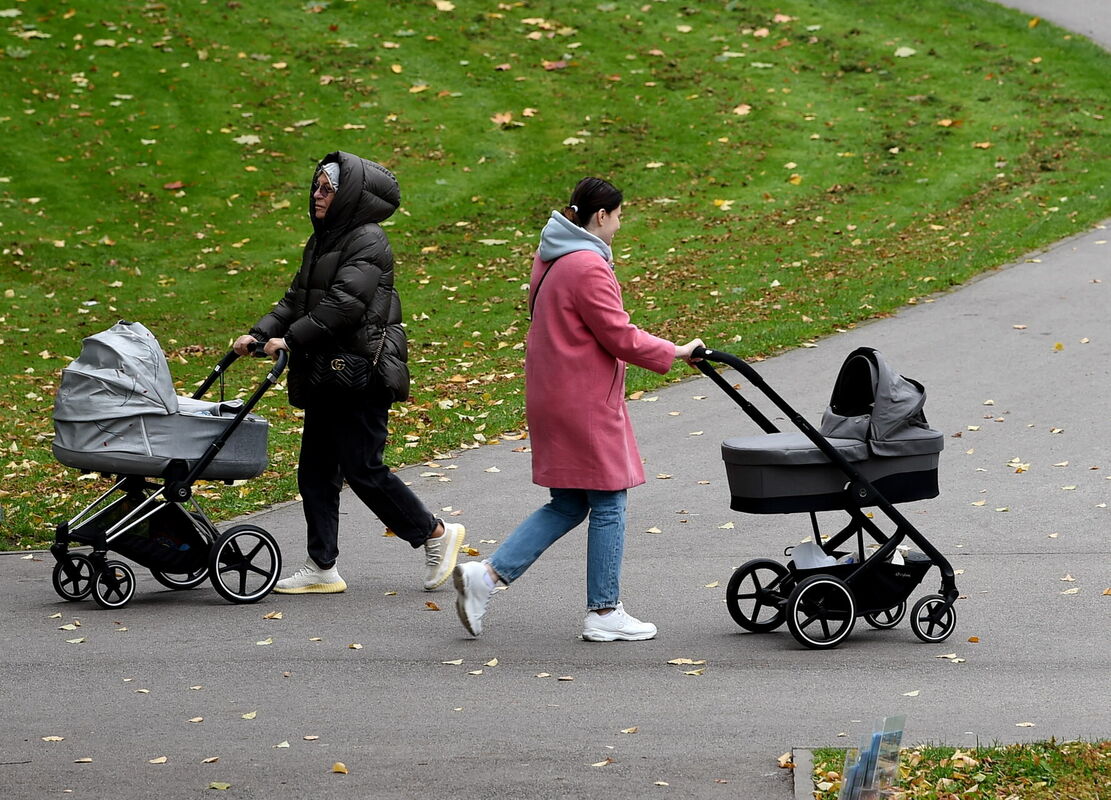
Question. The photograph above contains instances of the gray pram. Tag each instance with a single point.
(116, 412)
(874, 448)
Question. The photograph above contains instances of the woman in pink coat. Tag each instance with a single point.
(583, 448)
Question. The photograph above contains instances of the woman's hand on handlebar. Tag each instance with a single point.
(273, 346)
(243, 344)
(685, 351)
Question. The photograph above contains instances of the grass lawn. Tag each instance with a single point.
(791, 168)
(1035, 771)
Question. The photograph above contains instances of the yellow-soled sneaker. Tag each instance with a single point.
(440, 555)
(311, 579)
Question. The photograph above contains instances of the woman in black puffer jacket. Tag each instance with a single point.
(343, 300)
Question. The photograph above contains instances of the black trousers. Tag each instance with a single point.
(347, 442)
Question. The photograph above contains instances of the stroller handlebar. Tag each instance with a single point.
(706, 354)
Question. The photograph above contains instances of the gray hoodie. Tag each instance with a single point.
(561, 236)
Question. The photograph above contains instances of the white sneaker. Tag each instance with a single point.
(616, 626)
(311, 579)
(473, 595)
(440, 555)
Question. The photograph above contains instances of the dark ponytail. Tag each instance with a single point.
(591, 195)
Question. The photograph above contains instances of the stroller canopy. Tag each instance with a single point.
(874, 403)
(121, 372)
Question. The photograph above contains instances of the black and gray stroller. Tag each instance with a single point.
(116, 412)
(874, 448)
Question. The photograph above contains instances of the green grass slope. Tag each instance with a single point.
(790, 168)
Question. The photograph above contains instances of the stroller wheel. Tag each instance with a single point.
(178, 580)
(932, 620)
(73, 576)
(114, 585)
(888, 618)
(756, 595)
(244, 564)
(821, 612)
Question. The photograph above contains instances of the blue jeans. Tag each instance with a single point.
(605, 542)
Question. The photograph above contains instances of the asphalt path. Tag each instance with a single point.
(1017, 367)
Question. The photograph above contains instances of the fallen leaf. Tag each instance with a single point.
(53, 738)
(355, 646)
(281, 745)
(219, 786)
(915, 693)
(431, 606)
(493, 662)
(1024, 724)
(266, 641)
(603, 763)
(785, 761)
(310, 738)
(82, 760)
(633, 729)
(454, 663)
(713, 585)
(210, 760)
(340, 768)
(273, 615)
(250, 715)
(197, 719)
(159, 760)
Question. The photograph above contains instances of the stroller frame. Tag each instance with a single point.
(243, 562)
(820, 604)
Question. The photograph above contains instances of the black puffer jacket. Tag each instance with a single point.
(342, 299)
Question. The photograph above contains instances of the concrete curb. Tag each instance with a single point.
(802, 774)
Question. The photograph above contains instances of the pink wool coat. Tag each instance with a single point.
(578, 344)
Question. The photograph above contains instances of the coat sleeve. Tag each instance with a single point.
(599, 304)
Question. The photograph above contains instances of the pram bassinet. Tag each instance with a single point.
(116, 411)
(874, 421)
